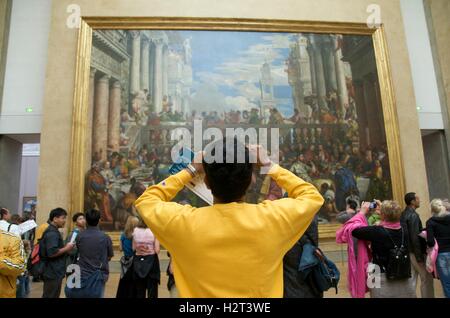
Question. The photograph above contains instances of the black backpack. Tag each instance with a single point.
(36, 261)
(399, 264)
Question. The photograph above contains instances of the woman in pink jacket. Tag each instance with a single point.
(358, 254)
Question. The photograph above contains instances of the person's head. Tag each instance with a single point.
(79, 220)
(301, 157)
(5, 214)
(141, 224)
(92, 217)
(390, 211)
(438, 208)
(130, 225)
(96, 167)
(228, 173)
(352, 204)
(58, 217)
(412, 200)
(16, 219)
(324, 187)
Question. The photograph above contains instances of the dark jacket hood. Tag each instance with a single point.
(445, 220)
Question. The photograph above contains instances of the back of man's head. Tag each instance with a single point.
(228, 169)
(92, 217)
(409, 197)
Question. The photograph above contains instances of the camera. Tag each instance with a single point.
(373, 205)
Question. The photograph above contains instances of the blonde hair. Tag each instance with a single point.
(438, 208)
(390, 211)
(130, 225)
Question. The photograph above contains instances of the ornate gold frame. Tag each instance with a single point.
(80, 110)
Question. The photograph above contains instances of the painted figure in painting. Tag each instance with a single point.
(97, 192)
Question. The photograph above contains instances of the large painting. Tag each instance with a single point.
(321, 90)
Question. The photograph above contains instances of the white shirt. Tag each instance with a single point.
(13, 229)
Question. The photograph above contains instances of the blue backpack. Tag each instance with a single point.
(325, 274)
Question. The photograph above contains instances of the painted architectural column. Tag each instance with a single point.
(151, 82)
(312, 66)
(361, 110)
(320, 74)
(330, 66)
(114, 116)
(90, 119)
(165, 71)
(157, 87)
(101, 110)
(145, 65)
(135, 62)
(340, 74)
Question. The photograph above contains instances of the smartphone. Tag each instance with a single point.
(184, 158)
(373, 205)
(197, 184)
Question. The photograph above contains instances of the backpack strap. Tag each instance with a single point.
(403, 236)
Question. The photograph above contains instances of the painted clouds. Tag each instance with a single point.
(233, 81)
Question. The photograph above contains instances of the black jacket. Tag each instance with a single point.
(439, 228)
(417, 245)
(294, 286)
(50, 244)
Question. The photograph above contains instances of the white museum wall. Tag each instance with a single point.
(26, 64)
(422, 66)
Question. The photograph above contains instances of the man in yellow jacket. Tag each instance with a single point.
(232, 248)
(12, 263)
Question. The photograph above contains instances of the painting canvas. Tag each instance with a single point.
(320, 90)
(29, 204)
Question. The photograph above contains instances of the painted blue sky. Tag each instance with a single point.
(226, 66)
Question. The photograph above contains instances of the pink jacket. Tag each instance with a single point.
(432, 254)
(357, 265)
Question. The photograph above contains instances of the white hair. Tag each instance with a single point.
(438, 207)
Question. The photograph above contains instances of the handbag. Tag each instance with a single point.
(125, 264)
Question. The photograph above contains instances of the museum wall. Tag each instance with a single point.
(436, 160)
(5, 14)
(26, 62)
(10, 162)
(422, 65)
(439, 25)
(57, 122)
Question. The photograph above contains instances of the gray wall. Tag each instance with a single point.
(10, 163)
(437, 164)
(28, 178)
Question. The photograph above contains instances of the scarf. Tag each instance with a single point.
(391, 225)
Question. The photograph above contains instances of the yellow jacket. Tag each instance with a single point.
(12, 263)
(234, 249)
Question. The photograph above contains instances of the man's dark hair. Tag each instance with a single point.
(76, 216)
(56, 213)
(92, 217)
(230, 180)
(352, 204)
(409, 197)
